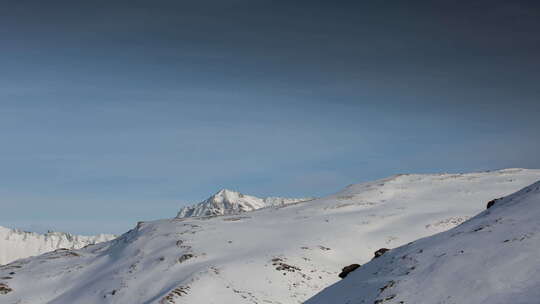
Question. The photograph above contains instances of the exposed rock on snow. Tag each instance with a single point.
(273, 255)
(492, 202)
(348, 269)
(491, 258)
(4, 288)
(226, 202)
(17, 244)
(380, 252)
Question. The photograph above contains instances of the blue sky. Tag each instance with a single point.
(124, 111)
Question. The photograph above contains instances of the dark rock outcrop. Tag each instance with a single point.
(4, 289)
(380, 252)
(492, 202)
(348, 269)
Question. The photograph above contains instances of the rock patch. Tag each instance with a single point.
(5, 289)
(348, 269)
(492, 202)
(380, 252)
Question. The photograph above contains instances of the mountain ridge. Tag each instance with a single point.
(284, 254)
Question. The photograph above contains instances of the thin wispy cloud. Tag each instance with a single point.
(163, 103)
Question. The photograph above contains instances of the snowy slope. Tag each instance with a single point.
(226, 202)
(493, 258)
(282, 254)
(17, 244)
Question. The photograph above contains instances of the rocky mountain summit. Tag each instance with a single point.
(226, 202)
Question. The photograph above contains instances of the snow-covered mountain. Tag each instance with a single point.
(283, 254)
(226, 202)
(492, 258)
(17, 244)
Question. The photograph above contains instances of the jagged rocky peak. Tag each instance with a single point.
(226, 195)
(225, 202)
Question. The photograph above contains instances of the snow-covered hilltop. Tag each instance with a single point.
(226, 202)
(284, 254)
(17, 244)
(492, 258)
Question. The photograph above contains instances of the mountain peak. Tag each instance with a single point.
(227, 192)
(226, 201)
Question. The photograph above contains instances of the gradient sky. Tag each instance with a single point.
(117, 111)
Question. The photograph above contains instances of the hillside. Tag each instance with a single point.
(492, 258)
(283, 254)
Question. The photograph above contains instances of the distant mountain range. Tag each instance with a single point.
(16, 244)
(287, 253)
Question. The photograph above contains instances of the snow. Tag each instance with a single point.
(232, 202)
(281, 254)
(17, 244)
(492, 258)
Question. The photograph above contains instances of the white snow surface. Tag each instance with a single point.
(493, 258)
(17, 244)
(226, 202)
(283, 254)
